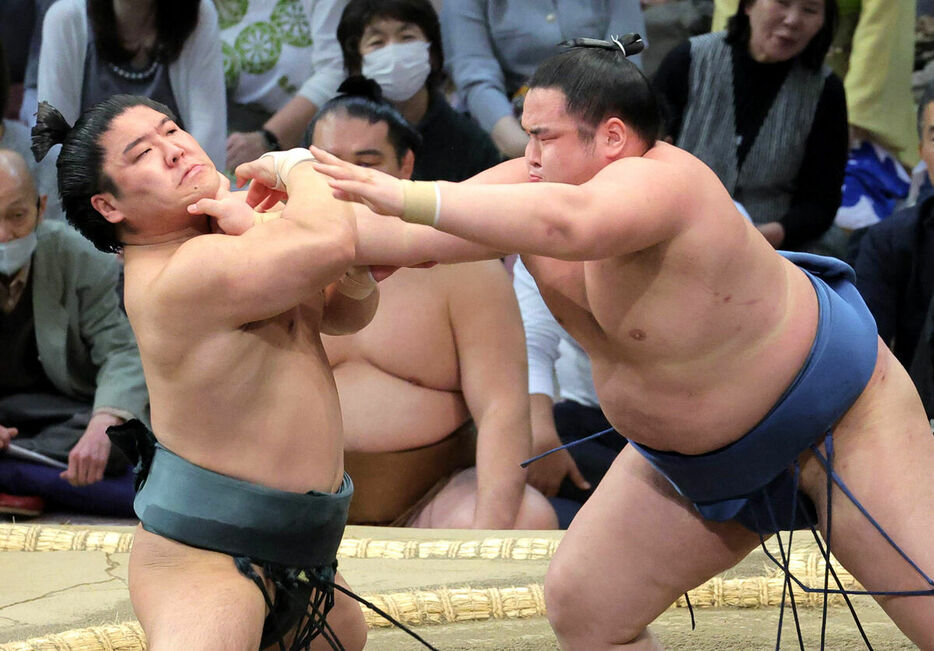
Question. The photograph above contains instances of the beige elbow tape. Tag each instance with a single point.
(284, 161)
(421, 202)
(357, 283)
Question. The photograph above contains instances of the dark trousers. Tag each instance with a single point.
(575, 421)
(51, 424)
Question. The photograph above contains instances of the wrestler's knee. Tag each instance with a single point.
(577, 611)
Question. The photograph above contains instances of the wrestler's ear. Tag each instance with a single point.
(613, 135)
(104, 204)
(408, 165)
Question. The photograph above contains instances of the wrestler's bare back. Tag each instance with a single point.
(694, 339)
(255, 401)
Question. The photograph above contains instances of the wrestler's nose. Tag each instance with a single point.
(532, 153)
(173, 153)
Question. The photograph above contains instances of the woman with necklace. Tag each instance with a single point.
(168, 51)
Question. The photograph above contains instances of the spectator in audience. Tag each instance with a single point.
(567, 477)
(895, 262)
(493, 46)
(16, 22)
(281, 63)
(397, 43)
(432, 392)
(169, 51)
(71, 365)
(873, 52)
(15, 135)
(756, 105)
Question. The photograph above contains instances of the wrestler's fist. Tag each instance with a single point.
(229, 210)
(376, 190)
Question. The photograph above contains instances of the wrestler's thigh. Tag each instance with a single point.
(346, 620)
(187, 598)
(884, 453)
(632, 549)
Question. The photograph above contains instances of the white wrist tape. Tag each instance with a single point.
(357, 283)
(284, 161)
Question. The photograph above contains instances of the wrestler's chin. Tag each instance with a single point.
(203, 182)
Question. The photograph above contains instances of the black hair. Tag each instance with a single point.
(4, 82)
(176, 20)
(362, 98)
(81, 161)
(360, 13)
(926, 98)
(598, 82)
(738, 32)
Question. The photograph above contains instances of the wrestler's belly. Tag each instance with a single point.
(276, 422)
(701, 405)
(384, 413)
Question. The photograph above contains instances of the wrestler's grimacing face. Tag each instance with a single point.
(158, 168)
(556, 152)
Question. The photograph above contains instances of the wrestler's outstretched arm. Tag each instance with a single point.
(629, 205)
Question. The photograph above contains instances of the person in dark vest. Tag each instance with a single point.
(757, 105)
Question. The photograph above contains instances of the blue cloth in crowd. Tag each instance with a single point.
(874, 181)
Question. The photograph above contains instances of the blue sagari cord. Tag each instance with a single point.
(784, 562)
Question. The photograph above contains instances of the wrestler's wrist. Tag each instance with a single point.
(263, 217)
(421, 202)
(358, 283)
(284, 161)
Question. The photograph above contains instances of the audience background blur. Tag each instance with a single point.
(168, 51)
(71, 367)
(281, 63)
(757, 105)
(895, 270)
(873, 51)
(14, 135)
(493, 46)
(397, 44)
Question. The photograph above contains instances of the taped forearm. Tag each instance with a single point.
(358, 283)
(284, 161)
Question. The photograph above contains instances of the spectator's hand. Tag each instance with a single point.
(87, 460)
(243, 147)
(261, 173)
(376, 190)
(229, 210)
(547, 474)
(773, 232)
(6, 434)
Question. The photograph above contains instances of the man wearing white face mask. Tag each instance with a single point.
(397, 43)
(70, 364)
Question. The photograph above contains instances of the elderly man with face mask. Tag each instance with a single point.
(71, 367)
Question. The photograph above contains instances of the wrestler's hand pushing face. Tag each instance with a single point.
(263, 193)
(229, 210)
(376, 190)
